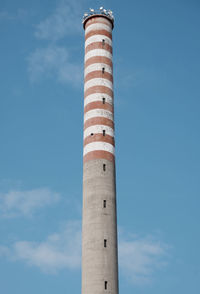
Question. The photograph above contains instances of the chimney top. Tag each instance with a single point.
(107, 13)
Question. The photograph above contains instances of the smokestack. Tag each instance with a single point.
(99, 226)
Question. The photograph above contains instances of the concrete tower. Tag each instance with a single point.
(99, 231)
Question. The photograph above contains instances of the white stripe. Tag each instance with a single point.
(98, 52)
(99, 146)
(98, 113)
(98, 66)
(98, 97)
(98, 38)
(98, 26)
(98, 129)
(98, 82)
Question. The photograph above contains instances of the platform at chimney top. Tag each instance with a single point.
(101, 12)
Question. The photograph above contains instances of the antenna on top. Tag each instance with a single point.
(99, 11)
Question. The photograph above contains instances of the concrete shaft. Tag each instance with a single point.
(99, 230)
(99, 263)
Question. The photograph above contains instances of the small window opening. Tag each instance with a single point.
(91, 134)
(104, 132)
(104, 167)
(103, 69)
(104, 204)
(105, 243)
(104, 100)
(105, 285)
(103, 41)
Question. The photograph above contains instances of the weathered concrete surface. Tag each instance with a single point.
(99, 264)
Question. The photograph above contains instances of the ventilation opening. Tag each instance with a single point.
(104, 132)
(105, 285)
(91, 134)
(104, 167)
(103, 70)
(103, 41)
(104, 100)
(104, 204)
(105, 243)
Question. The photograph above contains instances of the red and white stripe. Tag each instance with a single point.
(98, 91)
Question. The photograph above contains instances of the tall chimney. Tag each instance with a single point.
(99, 227)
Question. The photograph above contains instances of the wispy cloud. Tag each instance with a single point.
(59, 251)
(26, 203)
(141, 257)
(63, 21)
(53, 62)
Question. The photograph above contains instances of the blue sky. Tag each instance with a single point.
(156, 72)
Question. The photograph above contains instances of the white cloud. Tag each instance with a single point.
(64, 21)
(60, 250)
(16, 202)
(53, 61)
(140, 258)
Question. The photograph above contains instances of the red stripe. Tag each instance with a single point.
(98, 74)
(99, 138)
(98, 154)
(98, 121)
(99, 105)
(99, 20)
(98, 89)
(98, 45)
(98, 32)
(98, 59)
